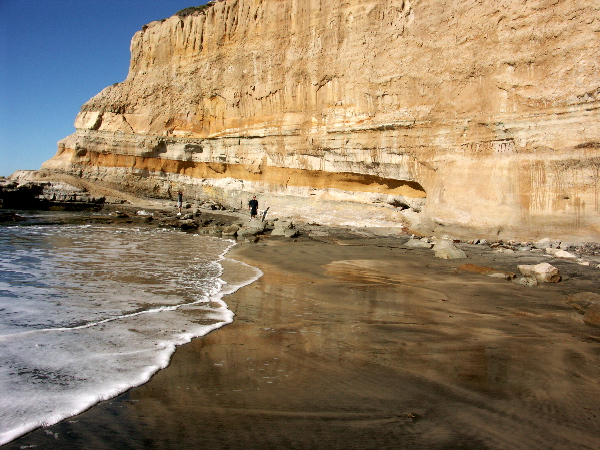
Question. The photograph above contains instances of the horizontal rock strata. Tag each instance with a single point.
(442, 115)
(23, 191)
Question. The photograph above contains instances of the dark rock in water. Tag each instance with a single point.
(188, 224)
(231, 230)
(7, 217)
(215, 230)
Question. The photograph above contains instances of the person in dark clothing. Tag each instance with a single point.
(253, 206)
(179, 202)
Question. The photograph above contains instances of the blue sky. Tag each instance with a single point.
(54, 56)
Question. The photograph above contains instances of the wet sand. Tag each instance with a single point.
(363, 344)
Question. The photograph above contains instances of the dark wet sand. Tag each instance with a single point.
(368, 346)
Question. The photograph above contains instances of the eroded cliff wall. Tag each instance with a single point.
(455, 115)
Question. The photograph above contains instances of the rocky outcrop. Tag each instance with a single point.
(436, 114)
(22, 191)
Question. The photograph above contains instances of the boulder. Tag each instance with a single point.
(230, 230)
(211, 229)
(447, 250)
(251, 228)
(417, 243)
(284, 228)
(564, 254)
(543, 244)
(291, 233)
(544, 272)
(188, 224)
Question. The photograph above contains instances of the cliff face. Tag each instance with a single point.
(446, 115)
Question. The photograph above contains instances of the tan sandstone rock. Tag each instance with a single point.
(431, 113)
(447, 250)
(543, 272)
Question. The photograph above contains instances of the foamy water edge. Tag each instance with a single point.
(165, 354)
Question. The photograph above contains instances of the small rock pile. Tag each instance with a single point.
(228, 226)
(530, 275)
(575, 252)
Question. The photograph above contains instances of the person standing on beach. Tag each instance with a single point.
(253, 207)
(179, 202)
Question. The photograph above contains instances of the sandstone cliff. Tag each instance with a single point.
(443, 114)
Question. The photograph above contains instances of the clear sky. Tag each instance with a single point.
(54, 56)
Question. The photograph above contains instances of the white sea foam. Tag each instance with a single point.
(89, 312)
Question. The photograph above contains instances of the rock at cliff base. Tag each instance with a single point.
(291, 233)
(543, 244)
(544, 272)
(188, 224)
(230, 230)
(417, 243)
(447, 250)
(251, 228)
(284, 228)
(564, 254)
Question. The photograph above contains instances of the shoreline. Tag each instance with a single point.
(350, 341)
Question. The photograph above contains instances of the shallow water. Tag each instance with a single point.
(86, 312)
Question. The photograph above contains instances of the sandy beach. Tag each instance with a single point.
(357, 342)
